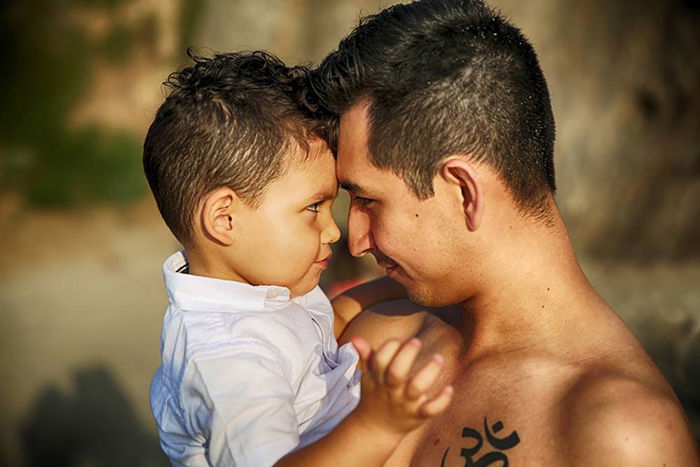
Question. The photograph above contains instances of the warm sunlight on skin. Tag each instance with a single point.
(286, 240)
(413, 240)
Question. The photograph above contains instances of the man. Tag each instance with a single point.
(445, 144)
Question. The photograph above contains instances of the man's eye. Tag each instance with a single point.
(313, 207)
(362, 201)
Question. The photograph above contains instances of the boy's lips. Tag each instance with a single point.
(324, 261)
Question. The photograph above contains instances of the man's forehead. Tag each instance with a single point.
(357, 112)
(355, 171)
(352, 140)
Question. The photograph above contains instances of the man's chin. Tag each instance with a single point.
(427, 296)
(419, 294)
(424, 298)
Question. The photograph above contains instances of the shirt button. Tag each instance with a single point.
(273, 294)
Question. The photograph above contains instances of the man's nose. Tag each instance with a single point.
(359, 233)
(331, 232)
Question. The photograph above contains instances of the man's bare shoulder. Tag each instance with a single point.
(615, 419)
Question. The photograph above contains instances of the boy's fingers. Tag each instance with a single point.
(425, 378)
(382, 358)
(402, 363)
(438, 404)
(364, 350)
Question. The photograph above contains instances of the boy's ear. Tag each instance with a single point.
(217, 215)
(464, 175)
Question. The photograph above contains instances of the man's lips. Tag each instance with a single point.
(384, 261)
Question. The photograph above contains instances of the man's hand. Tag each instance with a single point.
(391, 400)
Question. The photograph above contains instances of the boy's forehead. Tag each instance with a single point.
(308, 152)
(313, 175)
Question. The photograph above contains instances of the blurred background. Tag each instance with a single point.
(81, 295)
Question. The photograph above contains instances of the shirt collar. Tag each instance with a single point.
(197, 293)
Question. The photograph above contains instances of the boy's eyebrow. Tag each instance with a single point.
(324, 194)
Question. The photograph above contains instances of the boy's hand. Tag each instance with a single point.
(390, 399)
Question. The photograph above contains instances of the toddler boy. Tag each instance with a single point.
(251, 372)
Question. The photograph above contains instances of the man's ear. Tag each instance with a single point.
(464, 175)
(217, 215)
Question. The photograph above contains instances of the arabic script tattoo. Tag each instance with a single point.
(489, 457)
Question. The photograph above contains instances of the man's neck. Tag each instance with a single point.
(534, 296)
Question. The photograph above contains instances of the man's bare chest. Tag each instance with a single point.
(494, 420)
(483, 437)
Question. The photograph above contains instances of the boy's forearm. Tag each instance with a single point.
(351, 303)
(351, 443)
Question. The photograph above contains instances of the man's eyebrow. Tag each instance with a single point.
(352, 187)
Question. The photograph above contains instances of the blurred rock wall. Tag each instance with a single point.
(299, 31)
(625, 83)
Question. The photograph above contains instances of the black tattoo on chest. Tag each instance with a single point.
(493, 454)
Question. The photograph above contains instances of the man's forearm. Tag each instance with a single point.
(352, 302)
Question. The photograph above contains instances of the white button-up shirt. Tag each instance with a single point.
(248, 374)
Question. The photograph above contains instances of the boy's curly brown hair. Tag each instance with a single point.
(228, 120)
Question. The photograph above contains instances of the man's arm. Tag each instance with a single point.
(351, 303)
(392, 405)
(615, 421)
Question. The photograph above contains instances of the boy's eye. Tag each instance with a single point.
(313, 207)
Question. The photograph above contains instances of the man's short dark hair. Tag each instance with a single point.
(228, 121)
(446, 77)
